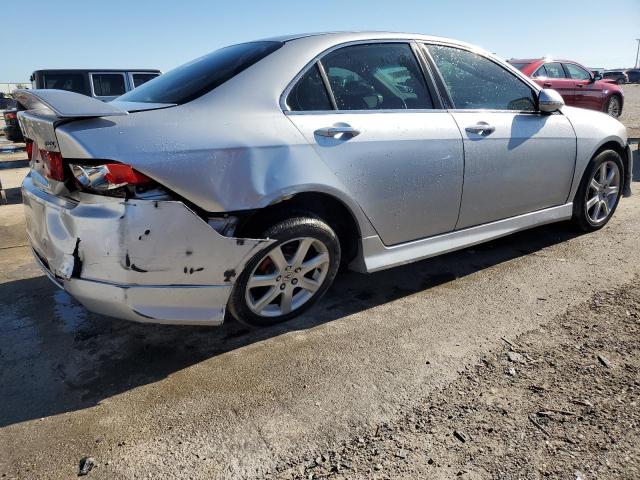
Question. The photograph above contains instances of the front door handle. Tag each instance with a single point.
(546, 84)
(481, 128)
(335, 131)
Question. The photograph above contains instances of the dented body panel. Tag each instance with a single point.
(156, 258)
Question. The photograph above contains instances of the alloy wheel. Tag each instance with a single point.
(602, 192)
(613, 108)
(287, 277)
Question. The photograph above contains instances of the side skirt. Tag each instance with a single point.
(376, 256)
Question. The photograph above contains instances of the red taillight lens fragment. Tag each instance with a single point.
(53, 165)
(10, 115)
(29, 148)
(107, 177)
(121, 174)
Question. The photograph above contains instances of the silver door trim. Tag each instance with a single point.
(347, 112)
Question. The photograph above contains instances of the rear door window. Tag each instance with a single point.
(108, 84)
(380, 76)
(140, 78)
(553, 70)
(72, 82)
(309, 93)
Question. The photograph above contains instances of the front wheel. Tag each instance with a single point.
(613, 106)
(599, 192)
(289, 276)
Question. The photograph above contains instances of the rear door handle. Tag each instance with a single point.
(481, 128)
(546, 84)
(335, 131)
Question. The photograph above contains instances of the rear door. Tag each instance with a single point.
(517, 159)
(553, 75)
(368, 111)
(586, 92)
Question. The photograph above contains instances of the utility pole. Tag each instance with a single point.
(637, 65)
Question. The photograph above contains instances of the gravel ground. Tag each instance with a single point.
(561, 401)
(400, 359)
(631, 110)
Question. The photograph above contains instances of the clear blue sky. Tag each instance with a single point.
(163, 34)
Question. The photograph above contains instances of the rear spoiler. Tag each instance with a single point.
(64, 104)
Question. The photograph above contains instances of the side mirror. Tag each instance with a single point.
(549, 101)
(596, 77)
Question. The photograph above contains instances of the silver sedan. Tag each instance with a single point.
(242, 180)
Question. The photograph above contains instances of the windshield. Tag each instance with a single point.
(202, 75)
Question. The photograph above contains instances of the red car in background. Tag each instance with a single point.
(578, 85)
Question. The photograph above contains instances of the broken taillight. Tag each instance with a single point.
(107, 176)
(29, 148)
(53, 167)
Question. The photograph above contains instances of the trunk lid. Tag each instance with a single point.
(40, 111)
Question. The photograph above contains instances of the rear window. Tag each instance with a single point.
(72, 82)
(202, 75)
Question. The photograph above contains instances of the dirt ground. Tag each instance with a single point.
(561, 401)
(631, 110)
(403, 373)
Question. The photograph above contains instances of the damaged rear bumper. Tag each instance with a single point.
(142, 260)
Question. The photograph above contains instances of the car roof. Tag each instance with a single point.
(524, 60)
(87, 70)
(542, 59)
(346, 36)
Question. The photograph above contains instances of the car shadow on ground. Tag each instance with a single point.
(56, 357)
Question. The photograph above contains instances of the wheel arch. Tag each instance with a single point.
(325, 206)
(587, 152)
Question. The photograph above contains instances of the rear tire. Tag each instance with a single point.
(286, 278)
(599, 193)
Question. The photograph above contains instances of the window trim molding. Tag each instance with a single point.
(327, 85)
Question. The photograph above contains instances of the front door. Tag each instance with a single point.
(553, 75)
(517, 160)
(587, 93)
(376, 129)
